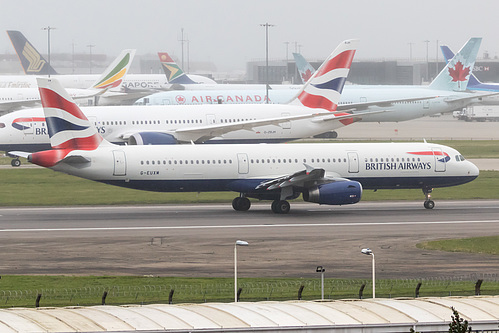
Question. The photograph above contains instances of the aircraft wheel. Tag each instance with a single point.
(429, 204)
(241, 204)
(280, 207)
(15, 162)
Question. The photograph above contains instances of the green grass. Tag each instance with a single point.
(43, 187)
(484, 245)
(21, 291)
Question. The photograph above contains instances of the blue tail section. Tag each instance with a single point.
(32, 61)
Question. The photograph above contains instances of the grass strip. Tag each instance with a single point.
(483, 245)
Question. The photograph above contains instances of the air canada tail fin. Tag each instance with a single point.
(173, 72)
(448, 55)
(323, 90)
(456, 74)
(68, 128)
(304, 68)
(115, 73)
(32, 61)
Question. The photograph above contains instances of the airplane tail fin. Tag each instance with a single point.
(32, 61)
(304, 68)
(456, 74)
(115, 73)
(68, 128)
(172, 71)
(323, 90)
(448, 55)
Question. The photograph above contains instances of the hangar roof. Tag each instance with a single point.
(380, 313)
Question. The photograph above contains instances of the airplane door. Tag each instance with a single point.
(353, 162)
(287, 124)
(426, 104)
(242, 162)
(119, 163)
(211, 119)
(440, 162)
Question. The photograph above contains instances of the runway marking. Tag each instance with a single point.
(298, 225)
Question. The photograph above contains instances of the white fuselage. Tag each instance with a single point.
(240, 168)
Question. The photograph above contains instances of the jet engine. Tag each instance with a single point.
(337, 193)
(152, 138)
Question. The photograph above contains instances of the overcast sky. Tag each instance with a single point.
(228, 32)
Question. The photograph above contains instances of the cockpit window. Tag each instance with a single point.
(460, 158)
(2, 125)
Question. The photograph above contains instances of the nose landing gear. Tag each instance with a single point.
(428, 204)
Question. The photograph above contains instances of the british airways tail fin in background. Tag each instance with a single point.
(32, 61)
(323, 89)
(457, 72)
(304, 68)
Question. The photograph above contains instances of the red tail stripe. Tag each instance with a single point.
(88, 143)
(48, 158)
(317, 102)
(165, 57)
(342, 60)
(51, 99)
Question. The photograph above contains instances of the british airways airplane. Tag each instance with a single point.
(26, 129)
(330, 174)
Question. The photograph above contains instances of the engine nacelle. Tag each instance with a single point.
(152, 138)
(337, 193)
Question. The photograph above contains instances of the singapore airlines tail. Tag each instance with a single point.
(173, 72)
(304, 68)
(32, 61)
(323, 90)
(456, 74)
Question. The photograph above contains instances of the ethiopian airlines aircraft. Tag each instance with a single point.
(331, 174)
(26, 129)
(34, 64)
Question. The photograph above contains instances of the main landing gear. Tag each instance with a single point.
(15, 162)
(280, 206)
(428, 204)
(241, 204)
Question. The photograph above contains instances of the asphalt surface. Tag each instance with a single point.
(198, 240)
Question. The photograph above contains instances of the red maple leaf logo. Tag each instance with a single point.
(180, 99)
(305, 76)
(459, 73)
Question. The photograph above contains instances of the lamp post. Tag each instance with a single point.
(321, 270)
(267, 25)
(48, 28)
(369, 252)
(238, 243)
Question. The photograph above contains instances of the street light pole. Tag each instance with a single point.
(266, 25)
(238, 243)
(321, 270)
(369, 252)
(48, 28)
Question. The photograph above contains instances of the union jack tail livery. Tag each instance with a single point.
(67, 126)
(173, 72)
(323, 90)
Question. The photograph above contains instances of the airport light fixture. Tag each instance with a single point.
(267, 25)
(321, 270)
(48, 28)
(370, 252)
(238, 243)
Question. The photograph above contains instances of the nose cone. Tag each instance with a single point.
(473, 170)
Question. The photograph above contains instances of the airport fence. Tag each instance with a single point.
(306, 289)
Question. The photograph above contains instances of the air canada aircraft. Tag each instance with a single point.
(330, 174)
(143, 125)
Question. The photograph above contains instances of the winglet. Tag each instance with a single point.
(32, 61)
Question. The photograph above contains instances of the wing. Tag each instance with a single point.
(381, 103)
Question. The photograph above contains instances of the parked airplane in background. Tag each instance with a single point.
(175, 75)
(34, 63)
(304, 68)
(26, 129)
(331, 174)
(106, 90)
